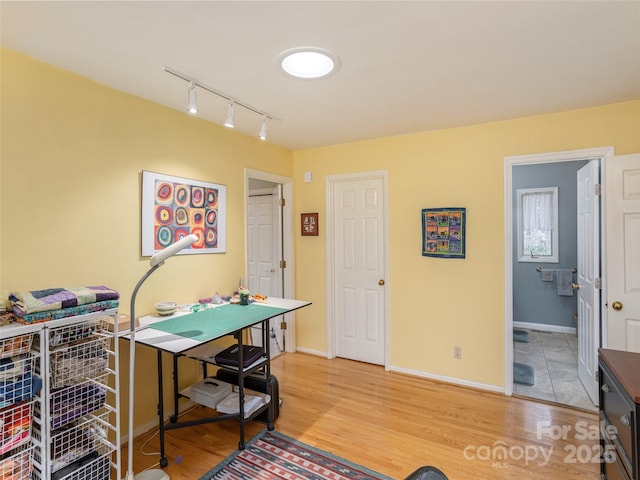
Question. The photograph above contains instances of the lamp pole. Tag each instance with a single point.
(156, 262)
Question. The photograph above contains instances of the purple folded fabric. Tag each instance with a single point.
(58, 298)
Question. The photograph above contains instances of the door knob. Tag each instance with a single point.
(617, 306)
(575, 286)
(381, 282)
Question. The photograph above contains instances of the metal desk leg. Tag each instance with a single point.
(241, 444)
(163, 458)
(266, 341)
(174, 417)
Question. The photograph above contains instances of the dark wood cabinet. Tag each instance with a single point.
(619, 381)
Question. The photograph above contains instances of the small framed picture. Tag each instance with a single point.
(444, 232)
(309, 224)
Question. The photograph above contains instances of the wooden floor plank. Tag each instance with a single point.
(394, 423)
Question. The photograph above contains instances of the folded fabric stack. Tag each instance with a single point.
(54, 303)
(69, 404)
(16, 466)
(15, 426)
(5, 317)
(69, 365)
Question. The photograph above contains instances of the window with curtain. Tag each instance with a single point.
(538, 224)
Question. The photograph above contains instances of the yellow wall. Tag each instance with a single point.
(71, 155)
(438, 303)
(72, 152)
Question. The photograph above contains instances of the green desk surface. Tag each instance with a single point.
(216, 322)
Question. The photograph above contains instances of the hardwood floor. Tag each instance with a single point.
(394, 423)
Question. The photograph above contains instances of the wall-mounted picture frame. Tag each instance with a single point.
(309, 224)
(444, 232)
(174, 207)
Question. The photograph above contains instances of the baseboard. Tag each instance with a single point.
(310, 351)
(153, 424)
(445, 379)
(543, 327)
(420, 373)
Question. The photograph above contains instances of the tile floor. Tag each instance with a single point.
(554, 358)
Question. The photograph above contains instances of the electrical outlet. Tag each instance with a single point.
(457, 352)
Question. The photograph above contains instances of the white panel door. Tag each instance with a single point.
(588, 272)
(263, 260)
(623, 253)
(359, 271)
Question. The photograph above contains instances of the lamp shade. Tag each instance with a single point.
(172, 249)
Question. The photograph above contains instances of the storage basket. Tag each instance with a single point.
(87, 468)
(15, 345)
(15, 426)
(94, 466)
(72, 333)
(70, 403)
(77, 440)
(17, 466)
(17, 380)
(77, 362)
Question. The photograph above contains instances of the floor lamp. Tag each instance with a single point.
(156, 262)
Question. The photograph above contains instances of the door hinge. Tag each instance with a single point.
(598, 189)
(283, 325)
(283, 264)
(281, 202)
(597, 376)
(598, 283)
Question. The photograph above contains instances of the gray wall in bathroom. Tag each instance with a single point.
(535, 301)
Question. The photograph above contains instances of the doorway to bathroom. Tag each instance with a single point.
(549, 350)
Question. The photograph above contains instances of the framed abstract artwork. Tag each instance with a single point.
(444, 232)
(174, 207)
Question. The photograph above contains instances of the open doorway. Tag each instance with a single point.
(269, 250)
(544, 342)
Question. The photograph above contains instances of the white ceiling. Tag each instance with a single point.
(407, 66)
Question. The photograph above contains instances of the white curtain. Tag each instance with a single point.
(537, 212)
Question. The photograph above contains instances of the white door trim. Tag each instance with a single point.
(329, 186)
(602, 153)
(287, 240)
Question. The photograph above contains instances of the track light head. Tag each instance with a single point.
(263, 129)
(229, 122)
(192, 105)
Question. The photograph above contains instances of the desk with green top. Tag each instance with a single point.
(186, 334)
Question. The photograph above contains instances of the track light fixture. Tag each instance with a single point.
(192, 106)
(230, 122)
(263, 129)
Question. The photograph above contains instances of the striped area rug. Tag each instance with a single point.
(272, 456)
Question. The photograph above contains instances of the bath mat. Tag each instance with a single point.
(521, 336)
(522, 373)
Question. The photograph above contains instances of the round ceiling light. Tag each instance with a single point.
(309, 62)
